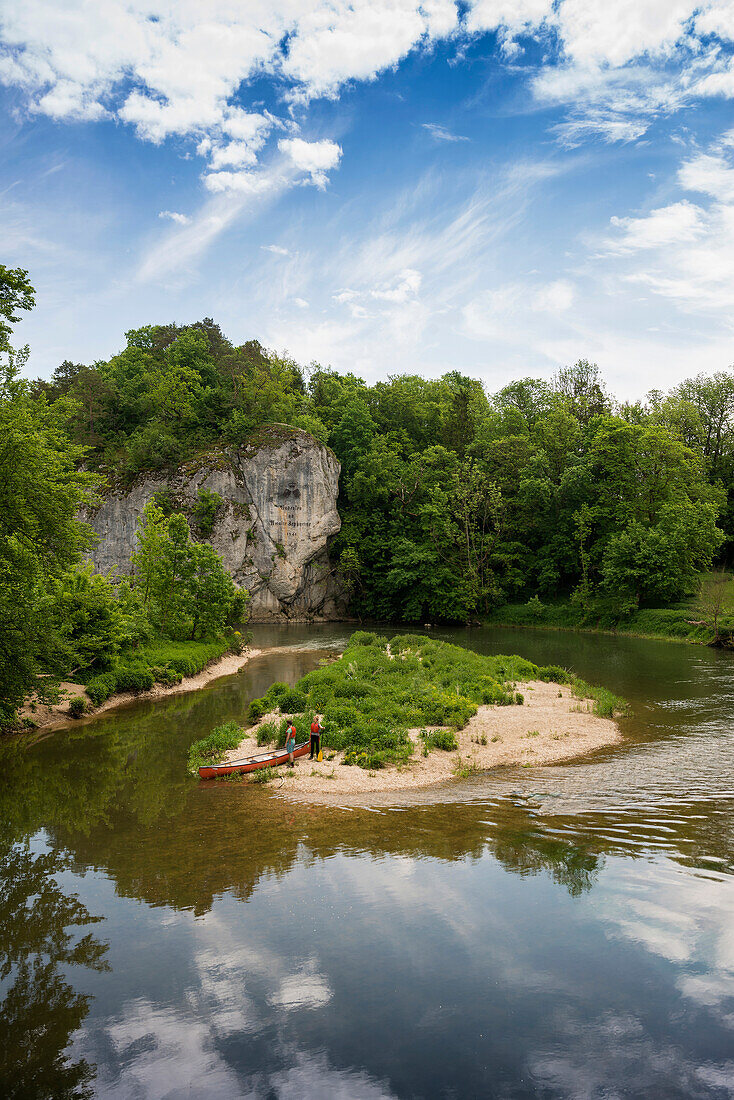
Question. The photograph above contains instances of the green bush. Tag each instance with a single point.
(606, 703)
(256, 709)
(440, 739)
(77, 706)
(185, 665)
(535, 608)
(166, 675)
(262, 775)
(364, 637)
(292, 702)
(134, 678)
(267, 733)
(212, 749)
(553, 674)
(276, 692)
(205, 511)
(101, 687)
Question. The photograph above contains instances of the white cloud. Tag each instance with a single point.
(516, 16)
(186, 62)
(440, 133)
(710, 173)
(606, 125)
(339, 42)
(556, 297)
(301, 303)
(684, 252)
(405, 286)
(313, 157)
(174, 216)
(716, 18)
(519, 312)
(675, 224)
(614, 32)
(276, 249)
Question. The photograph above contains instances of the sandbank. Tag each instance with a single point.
(551, 726)
(56, 715)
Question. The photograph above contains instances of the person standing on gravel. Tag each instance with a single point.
(316, 730)
(290, 742)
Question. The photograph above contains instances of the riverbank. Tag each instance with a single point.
(51, 716)
(552, 725)
(689, 623)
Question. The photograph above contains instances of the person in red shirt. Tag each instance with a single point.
(316, 731)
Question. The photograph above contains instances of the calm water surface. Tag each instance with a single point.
(556, 932)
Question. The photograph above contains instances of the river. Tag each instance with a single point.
(533, 932)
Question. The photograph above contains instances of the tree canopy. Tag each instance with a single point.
(452, 500)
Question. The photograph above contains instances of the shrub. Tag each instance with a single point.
(606, 703)
(77, 706)
(262, 775)
(212, 749)
(205, 511)
(553, 674)
(256, 709)
(267, 733)
(364, 637)
(134, 678)
(535, 608)
(440, 739)
(101, 687)
(166, 675)
(185, 665)
(292, 701)
(276, 692)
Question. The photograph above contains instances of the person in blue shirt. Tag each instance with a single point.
(290, 742)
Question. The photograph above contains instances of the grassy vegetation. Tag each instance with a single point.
(379, 690)
(706, 618)
(161, 661)
(187, 658)
(212, 749)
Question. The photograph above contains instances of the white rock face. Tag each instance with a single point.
(279, 495)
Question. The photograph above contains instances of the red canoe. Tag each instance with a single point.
(252, 763)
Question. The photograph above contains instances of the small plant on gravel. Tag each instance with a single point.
(263, 775)
(77, 706)
(267, 733)
(440, 739)
(464, 768)
(533, 733)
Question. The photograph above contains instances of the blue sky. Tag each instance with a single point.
(381, 185)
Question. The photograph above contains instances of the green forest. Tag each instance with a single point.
(454, 502)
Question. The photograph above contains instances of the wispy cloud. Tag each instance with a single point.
(441, 133)
(171, 259)
(174, 216)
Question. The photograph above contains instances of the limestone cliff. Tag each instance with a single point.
(278, 509)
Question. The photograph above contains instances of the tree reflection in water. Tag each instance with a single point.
(39, 1009)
